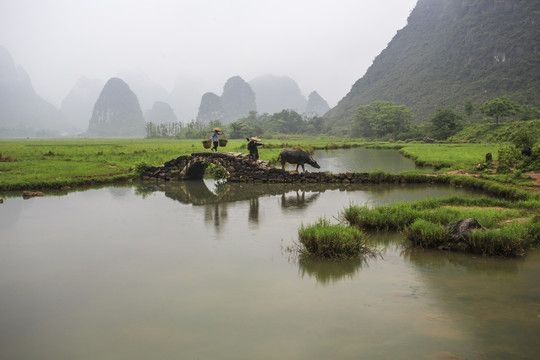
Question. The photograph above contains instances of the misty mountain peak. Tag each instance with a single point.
(238, 99)
(22, 111)
(211, 108)
(316, 105)
(275, 93)
(117, 112)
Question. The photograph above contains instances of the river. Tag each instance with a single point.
(200, 270)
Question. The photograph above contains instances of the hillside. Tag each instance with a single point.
(450, 52)
(22, 111)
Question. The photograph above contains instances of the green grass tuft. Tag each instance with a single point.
(332, 241)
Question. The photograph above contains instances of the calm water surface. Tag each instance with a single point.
(361, 160)
(200, 271)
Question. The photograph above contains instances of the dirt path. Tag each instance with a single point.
(535, 178)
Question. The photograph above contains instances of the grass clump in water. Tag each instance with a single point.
(424, 233)
(332, 241)
(509, 240)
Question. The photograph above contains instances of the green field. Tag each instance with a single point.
(54, 163)
(451, 156)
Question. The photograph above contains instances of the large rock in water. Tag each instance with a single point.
(117, 112)
(458, 234)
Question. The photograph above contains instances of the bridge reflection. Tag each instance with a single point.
(196, 192)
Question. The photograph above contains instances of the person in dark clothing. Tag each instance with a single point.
(253, 144)
(214, 137)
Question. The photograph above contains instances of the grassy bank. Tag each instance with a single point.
(55, 163)
(450, 156)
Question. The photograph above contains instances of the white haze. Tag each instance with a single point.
(324, 45)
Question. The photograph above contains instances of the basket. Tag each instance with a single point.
(207, 144)
(223, 142)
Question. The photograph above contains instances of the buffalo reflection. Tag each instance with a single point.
(298, 199)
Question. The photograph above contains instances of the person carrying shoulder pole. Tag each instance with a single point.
(214, 137)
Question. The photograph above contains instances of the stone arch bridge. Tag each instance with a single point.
(238, 168)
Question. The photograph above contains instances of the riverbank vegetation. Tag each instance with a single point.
(48, 163)
(507, 228)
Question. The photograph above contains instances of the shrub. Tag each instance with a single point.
(328, 241)
(215, 172)
(141, 167)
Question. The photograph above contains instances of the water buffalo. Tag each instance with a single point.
(298, 157)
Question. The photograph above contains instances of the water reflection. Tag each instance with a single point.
(329, 272)
(254, 210)
(144, 278)
(298, 199)
(196, 192)
(496, 299)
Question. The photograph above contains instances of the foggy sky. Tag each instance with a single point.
(325, 45)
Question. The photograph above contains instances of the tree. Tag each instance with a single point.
(529, 112)
(445, 123)
(469, 108)
(380, 119)
(287, 122)
(499, 107)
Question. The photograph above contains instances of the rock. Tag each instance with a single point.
(457, 237)
(29, 194)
